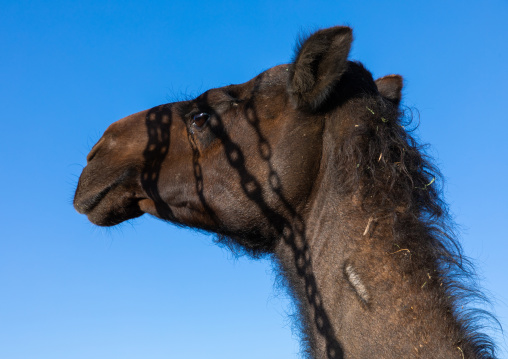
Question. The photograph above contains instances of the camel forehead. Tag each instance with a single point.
(267, 84)
(277, 75)
(273, 79)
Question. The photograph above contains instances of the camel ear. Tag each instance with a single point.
(390, 87)
(319, 64)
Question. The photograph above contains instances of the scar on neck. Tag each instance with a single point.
(356, 282)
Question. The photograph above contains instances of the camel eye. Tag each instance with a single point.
(200, 119)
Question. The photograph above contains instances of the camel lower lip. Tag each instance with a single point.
(123, 210)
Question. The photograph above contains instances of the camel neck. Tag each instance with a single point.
(356, 296)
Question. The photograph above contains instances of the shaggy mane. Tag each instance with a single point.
(397, 178)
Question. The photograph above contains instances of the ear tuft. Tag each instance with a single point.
(319, 63)
(390, 87)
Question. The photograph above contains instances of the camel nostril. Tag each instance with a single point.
(91, 155)
(93, 152)
(95, 149)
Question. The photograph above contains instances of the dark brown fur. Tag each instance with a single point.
(311, 164)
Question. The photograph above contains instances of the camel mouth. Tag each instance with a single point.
(87, 205)
(109, 206)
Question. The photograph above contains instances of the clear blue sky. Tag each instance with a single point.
(147, 289)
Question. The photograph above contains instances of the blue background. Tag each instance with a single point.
(146, 289)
